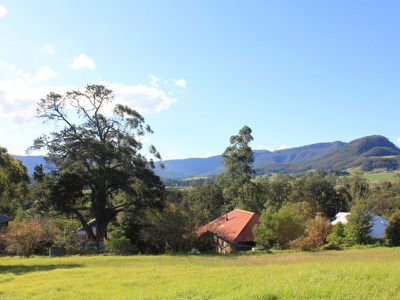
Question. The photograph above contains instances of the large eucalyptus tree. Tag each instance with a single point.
(97, 150)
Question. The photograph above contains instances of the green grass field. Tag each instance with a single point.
(349, 274)
(382, 176)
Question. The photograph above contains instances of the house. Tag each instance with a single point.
(4, 220)
(92, 223)
(378, 223)
(231, 231)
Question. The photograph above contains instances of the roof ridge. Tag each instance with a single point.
(246, 211)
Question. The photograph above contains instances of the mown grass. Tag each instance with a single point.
(349, 274)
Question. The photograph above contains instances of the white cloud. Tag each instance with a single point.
(260, 147)
(181, 83)
(44, 73)
(20, 92)
(3, 11)
(145, 99)
(281, 147)
(18, 98)
(173, 155)
(154, 80)
(48, 49)
(82, 61)
(398, 141)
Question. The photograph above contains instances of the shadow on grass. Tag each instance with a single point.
(22, 269)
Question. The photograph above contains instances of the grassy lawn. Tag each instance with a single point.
(350, 274)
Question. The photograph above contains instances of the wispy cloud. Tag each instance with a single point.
(181, 83)
(48, 49)
(281, 147)
(44, 73)
(82, 61)
(398, 141)
(3, 11)
(20, 92)
(154, 80)
(145, 99)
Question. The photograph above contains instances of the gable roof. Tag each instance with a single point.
(235, 227)
(4, 219)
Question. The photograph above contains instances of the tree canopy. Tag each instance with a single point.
(97, 151)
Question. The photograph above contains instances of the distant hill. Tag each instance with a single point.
(198, 167)
(30, 162)
(366, 153)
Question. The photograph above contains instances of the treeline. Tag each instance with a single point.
(104, 184)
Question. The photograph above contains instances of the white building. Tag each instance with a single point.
(378, 223)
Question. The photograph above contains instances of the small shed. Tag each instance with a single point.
(378, 224)
(232, 231)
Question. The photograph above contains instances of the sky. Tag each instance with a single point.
(296, 72)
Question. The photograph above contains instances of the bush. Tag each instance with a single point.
(265, 232)
(392, 233)
(316, 233)
(302, 243)
(359, 225)
(292, 220)
(337, 236)
(119, 246)
(34, 235)
(283, 226)
(69, 240)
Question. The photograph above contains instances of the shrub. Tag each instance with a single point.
(119, 246)
(291, 222)
(359, 225)
(392, 233)
(69, 240)
(316, 233)
(283, 226)
(265, 232)
(337, 236)
(302, 243)
(34, 235)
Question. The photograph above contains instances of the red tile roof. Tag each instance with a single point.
(237, 228)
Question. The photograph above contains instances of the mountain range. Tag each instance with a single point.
(366, 154)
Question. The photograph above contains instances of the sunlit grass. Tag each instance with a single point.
(350, 274)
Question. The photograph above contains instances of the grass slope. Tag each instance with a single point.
(350, 274)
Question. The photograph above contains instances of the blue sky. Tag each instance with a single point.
(296, 72)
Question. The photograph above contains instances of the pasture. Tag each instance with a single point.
(349, 274)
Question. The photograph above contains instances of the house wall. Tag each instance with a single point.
(222, 246)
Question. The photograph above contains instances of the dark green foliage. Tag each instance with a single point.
(236, 182)
(283, 226)
(319, 190)
(359, 225)
(292, 222)
(392, 233)
(119, 246)
(265, 233)
(168, 230)
(13, 184)
(384, 200)
(98, 157)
